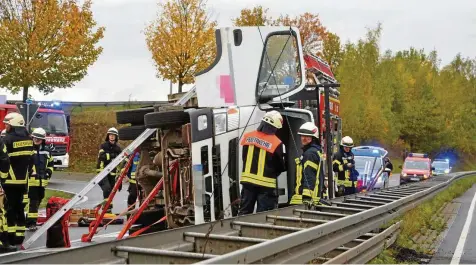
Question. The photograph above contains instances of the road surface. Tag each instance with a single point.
(459, 243)
(394, 180)
(94, 197)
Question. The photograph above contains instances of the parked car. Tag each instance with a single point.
(369, 163)
(442, 166)
(417, 167)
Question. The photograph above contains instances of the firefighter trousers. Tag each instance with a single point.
(106, 185)
(15, 212)
(266, 198)
(134, 191)
(36, 195)
(3, 222)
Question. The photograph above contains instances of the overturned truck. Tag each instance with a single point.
(189, 169)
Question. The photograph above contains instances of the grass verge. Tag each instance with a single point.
(54, 193)
(419, 221)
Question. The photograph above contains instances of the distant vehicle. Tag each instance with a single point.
(417, 167)
(369, 163)
(442, 166)
(56, 124)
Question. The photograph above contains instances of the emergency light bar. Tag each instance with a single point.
(418, 155)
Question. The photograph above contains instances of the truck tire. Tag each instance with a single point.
(132, 132)
(133, 116)
(165, 119)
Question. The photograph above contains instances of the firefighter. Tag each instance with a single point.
(343, 165)
(4, 168)
(108, 151)
(39, 177)
(309, 171)
(20, 149)
(262, 163)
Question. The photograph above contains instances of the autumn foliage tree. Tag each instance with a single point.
(181, 40)
(256, 16)
(46, 44)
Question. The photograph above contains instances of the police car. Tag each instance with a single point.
(370, 165)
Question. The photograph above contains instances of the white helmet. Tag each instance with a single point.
(309, 129)
(347, 142)
(39, 133)
(14, 119)
(114, 131)
(4, 132)
(274, 119)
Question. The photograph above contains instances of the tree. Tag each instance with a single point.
(46, 44)
(181, 40)
(310, 28)
(332, 50)
(253, 17)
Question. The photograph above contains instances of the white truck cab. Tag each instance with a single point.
(256, 69)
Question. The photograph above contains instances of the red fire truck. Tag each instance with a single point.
(53, 120)
(319, 72)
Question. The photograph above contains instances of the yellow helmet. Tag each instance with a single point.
(274, 119)
(14, 119)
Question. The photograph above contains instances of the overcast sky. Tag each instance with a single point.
(125, 69)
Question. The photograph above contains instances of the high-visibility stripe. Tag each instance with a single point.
(261, 162)
(16, 182)
(249, 159)
(3, 175)
(108, 156)
(21, 153)
(12, 229)
(133, 181)
(258, 180)
(32, 215)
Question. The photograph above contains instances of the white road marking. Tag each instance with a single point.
(464, 234)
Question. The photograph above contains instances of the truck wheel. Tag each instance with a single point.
(165, 119)
(132, 132)
(133, 116)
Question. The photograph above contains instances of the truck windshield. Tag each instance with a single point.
(52, 123)
(280, 66)
(422, 165)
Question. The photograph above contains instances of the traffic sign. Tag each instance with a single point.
(28, 111)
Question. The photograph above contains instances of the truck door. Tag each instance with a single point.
(202, 148)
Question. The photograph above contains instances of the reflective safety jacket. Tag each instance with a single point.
(133, 168)
(339, 165)
(262, 159)
(308, 175)
(42, 167)
(4, 161)
(107, 153)
(20, 149)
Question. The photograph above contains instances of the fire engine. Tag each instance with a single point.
(54, 121)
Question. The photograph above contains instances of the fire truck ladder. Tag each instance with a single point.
(95, 181)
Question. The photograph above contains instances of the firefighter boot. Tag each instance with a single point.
(5, 247)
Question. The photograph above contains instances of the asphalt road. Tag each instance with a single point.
(459, 243)
(394, 180)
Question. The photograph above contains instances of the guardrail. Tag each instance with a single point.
(97, 104)
(291, 235)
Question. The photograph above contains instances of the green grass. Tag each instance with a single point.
(54, 193)
(419, 220)
(78, 109)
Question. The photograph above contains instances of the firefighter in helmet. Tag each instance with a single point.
(4, 168)
(39, 177)
(20, 149)
(262, 164)
(343, 165)
(309, 173)
(108, 151)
